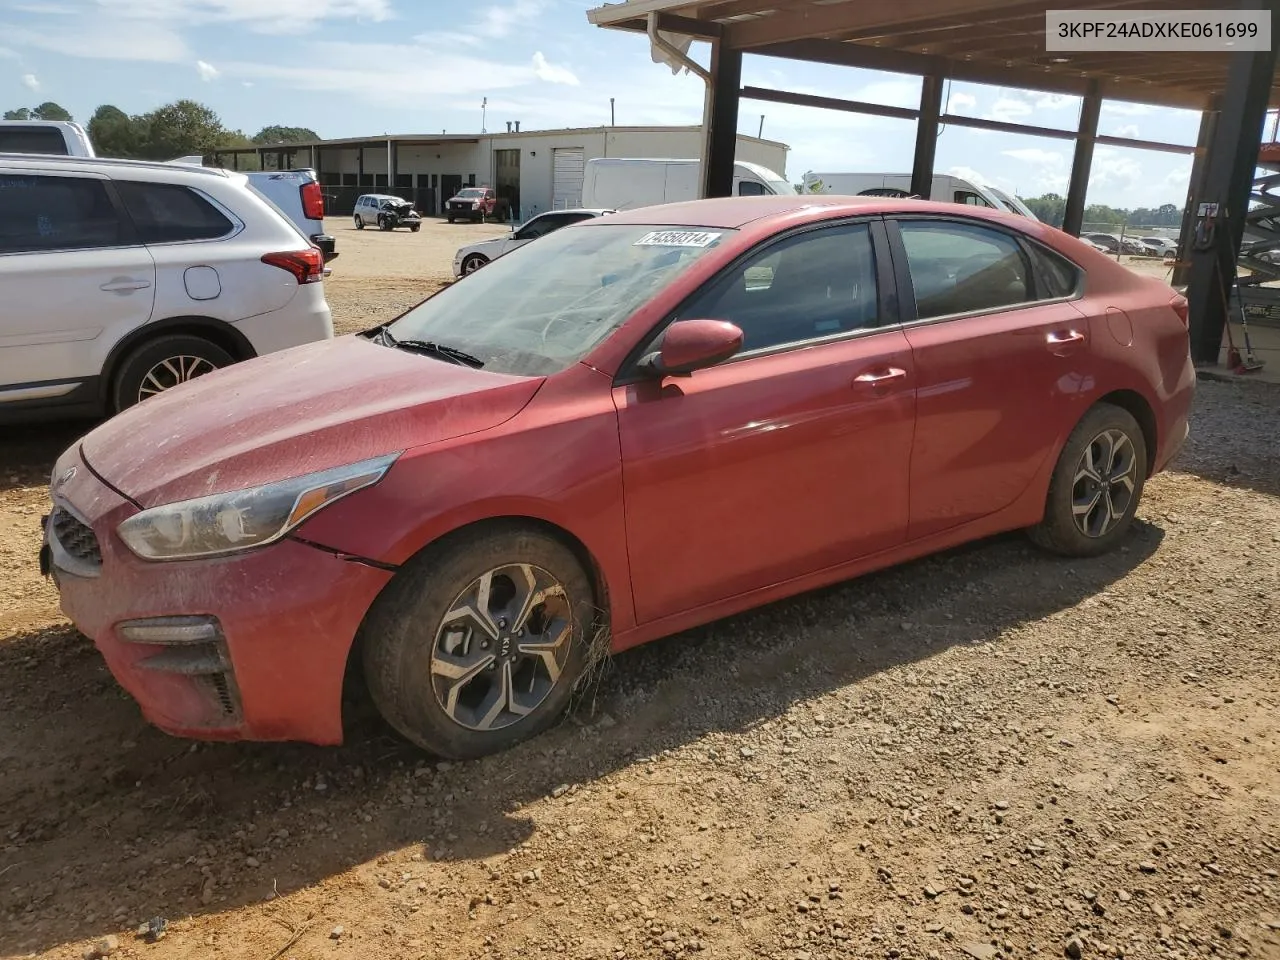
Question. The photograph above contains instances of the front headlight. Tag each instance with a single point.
(240, 519)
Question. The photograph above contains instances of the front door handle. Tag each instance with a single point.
(124, 285)
(882, 377)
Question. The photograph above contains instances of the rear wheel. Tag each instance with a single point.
(1096, 485)
(384, 223)
(359, 223)
(162, 364)
(477, 645)
(473, 263)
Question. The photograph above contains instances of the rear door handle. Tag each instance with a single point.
(124, 285)
(1058, 339)
(884, 376)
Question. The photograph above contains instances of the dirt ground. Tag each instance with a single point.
(986, 754)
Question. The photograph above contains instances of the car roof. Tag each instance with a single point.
(105, 164)
(736, 212)
(594, 211)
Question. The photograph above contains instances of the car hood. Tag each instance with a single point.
(488, 247)
(310, 408)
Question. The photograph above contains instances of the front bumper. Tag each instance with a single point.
(247, 647)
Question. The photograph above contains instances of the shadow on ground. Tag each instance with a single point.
(110, 822)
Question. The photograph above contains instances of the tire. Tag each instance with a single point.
(1109, 440)
(415, 227)
(473, 263)
(451, 218)
(385, 224)
(359, 223)
(163, 363)
(405, 642)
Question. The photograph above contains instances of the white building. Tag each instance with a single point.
(535, 170)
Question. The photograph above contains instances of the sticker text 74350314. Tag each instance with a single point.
(677, 238)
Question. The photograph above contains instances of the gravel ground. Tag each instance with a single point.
(985, 754)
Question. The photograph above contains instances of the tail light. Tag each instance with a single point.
(307, 266)
(312, 201)
(1179, 304)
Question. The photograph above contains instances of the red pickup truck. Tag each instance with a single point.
(474, 203)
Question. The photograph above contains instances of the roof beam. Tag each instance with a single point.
(816, 21)
(830, 103)
(1030, 78)
(615, 14)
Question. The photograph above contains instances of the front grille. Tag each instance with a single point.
(75, 537)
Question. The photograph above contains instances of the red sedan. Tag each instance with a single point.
(638, 424)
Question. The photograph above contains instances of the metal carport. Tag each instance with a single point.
(999, 42)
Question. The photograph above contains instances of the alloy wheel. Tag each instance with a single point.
(171, 372)
(501, 647)
(1105, 482)
(471, 265)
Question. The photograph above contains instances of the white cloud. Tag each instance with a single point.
(97, 38)
(1009, 110)
(1055, 101)
(962, 103)
(246, 83)
(30, 82)
(207, 71)
(501, 21)
(1129, 130)
(1113, 168)
(1044, 158)
(7, 54)
(550, 73)
(967, 173)
(1126, 109)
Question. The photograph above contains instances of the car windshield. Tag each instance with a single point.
(471, 194)
(783, 189)
(541, 308)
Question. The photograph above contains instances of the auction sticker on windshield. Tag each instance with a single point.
(677, 238)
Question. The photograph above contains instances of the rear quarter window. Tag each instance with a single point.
(32, 140)
(171, 213)
(1055, 275)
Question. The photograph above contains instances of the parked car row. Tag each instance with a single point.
(1133, 246)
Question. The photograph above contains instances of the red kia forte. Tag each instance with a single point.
(635, 425)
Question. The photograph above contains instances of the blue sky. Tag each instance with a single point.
(356, 67)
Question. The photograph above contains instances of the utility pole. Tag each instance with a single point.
(611, 117)
(484, 105)
(760, 133)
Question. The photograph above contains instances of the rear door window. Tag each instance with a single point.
(171, 213)
(961, 268)
(39, 213)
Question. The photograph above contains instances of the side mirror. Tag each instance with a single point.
(690, 345)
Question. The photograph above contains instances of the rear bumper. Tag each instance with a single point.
(304, 319)
(327, 245)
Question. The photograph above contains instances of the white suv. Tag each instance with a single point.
(119, 279)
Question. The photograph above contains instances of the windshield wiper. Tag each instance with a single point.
(452, 354)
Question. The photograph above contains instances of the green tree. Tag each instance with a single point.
(178, 129)
(114, 133)
(279, 134)
(22, 113)
(50, 111)
(1049, 208)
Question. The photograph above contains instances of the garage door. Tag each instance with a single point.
(566, 178)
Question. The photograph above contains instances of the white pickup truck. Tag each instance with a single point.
(297, 194)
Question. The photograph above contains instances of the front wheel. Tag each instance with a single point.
(473, 263)
(415, 227)
(359, 223)
(1096, 486)
(164, 363)
(477, 644)
(384, 223)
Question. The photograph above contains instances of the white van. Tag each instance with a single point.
(56, 137)
(619, 183)
(946, 188)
